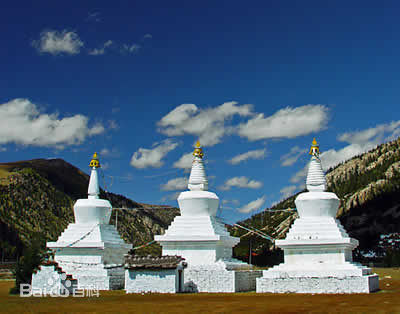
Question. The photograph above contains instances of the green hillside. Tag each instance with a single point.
(369, 189)
(37, 197)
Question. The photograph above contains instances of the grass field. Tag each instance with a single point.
(387, 300)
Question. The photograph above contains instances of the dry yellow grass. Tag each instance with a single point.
(387, 300)
(4, 173)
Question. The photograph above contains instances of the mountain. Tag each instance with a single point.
(368, 186)
(37, 198)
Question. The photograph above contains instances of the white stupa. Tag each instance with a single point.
(317, 249)
(91, 249)
(202, 239)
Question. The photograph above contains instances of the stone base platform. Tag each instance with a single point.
(206, 278)
(351, 284)
(101, 277)
(50, 279)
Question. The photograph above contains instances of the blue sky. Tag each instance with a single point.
(140, 82)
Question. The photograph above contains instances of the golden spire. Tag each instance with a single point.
(314, 150)
(198, 151)
(94, 162)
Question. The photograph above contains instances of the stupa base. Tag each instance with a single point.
(350, 284)
(221, 277)
(104, 278)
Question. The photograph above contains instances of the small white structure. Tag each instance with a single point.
(202, 239)
(91, 249)
(52, 280)
(163, 274)
(317, 249)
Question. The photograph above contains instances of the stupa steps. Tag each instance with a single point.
(200, 224)
(197, 225)
(331, 228)
(86, 234)
(327, 228)
(303, 230)
(322, 227)
(195, 229)
(322, 266)
(315, 174)
(182, 230)
(76, 236)
(313, 227)
(318, 273)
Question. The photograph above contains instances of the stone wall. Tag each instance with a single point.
(98, 276)
(158, 280)
(355, 284)
(206, 279)
(49, 281)
(245, 280)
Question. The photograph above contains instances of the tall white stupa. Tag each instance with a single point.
(202, 239)
(91, 249)
(317, 249)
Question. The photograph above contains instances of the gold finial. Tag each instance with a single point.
(198, 151)
(314, 150)
(94, 162)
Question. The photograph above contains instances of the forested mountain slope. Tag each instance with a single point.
(37, 197)
(369, 189)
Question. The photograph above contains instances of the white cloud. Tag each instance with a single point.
(133, 48)
(147, 36)
(240, 182)
(21, 122)
(105, 152)
(3, 149)
(102, 49)
(291, 157)
(175, 184)
(171, 197)
(233, 202)
(93, 17)
(359, 143)
(109, 152)
(145, 158)
(252, 154)
(97, 129)
(113, 125)
(288, 191)
(253, 206)
(376, 135)
(55, 42)
(185, 162)
(286, 123)
(207, 124)
(299, 175)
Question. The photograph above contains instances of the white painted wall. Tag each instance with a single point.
(158, 280)
(217, 279)
(49, 281)
(356, 284)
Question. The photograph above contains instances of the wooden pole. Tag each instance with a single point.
(250, 252)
